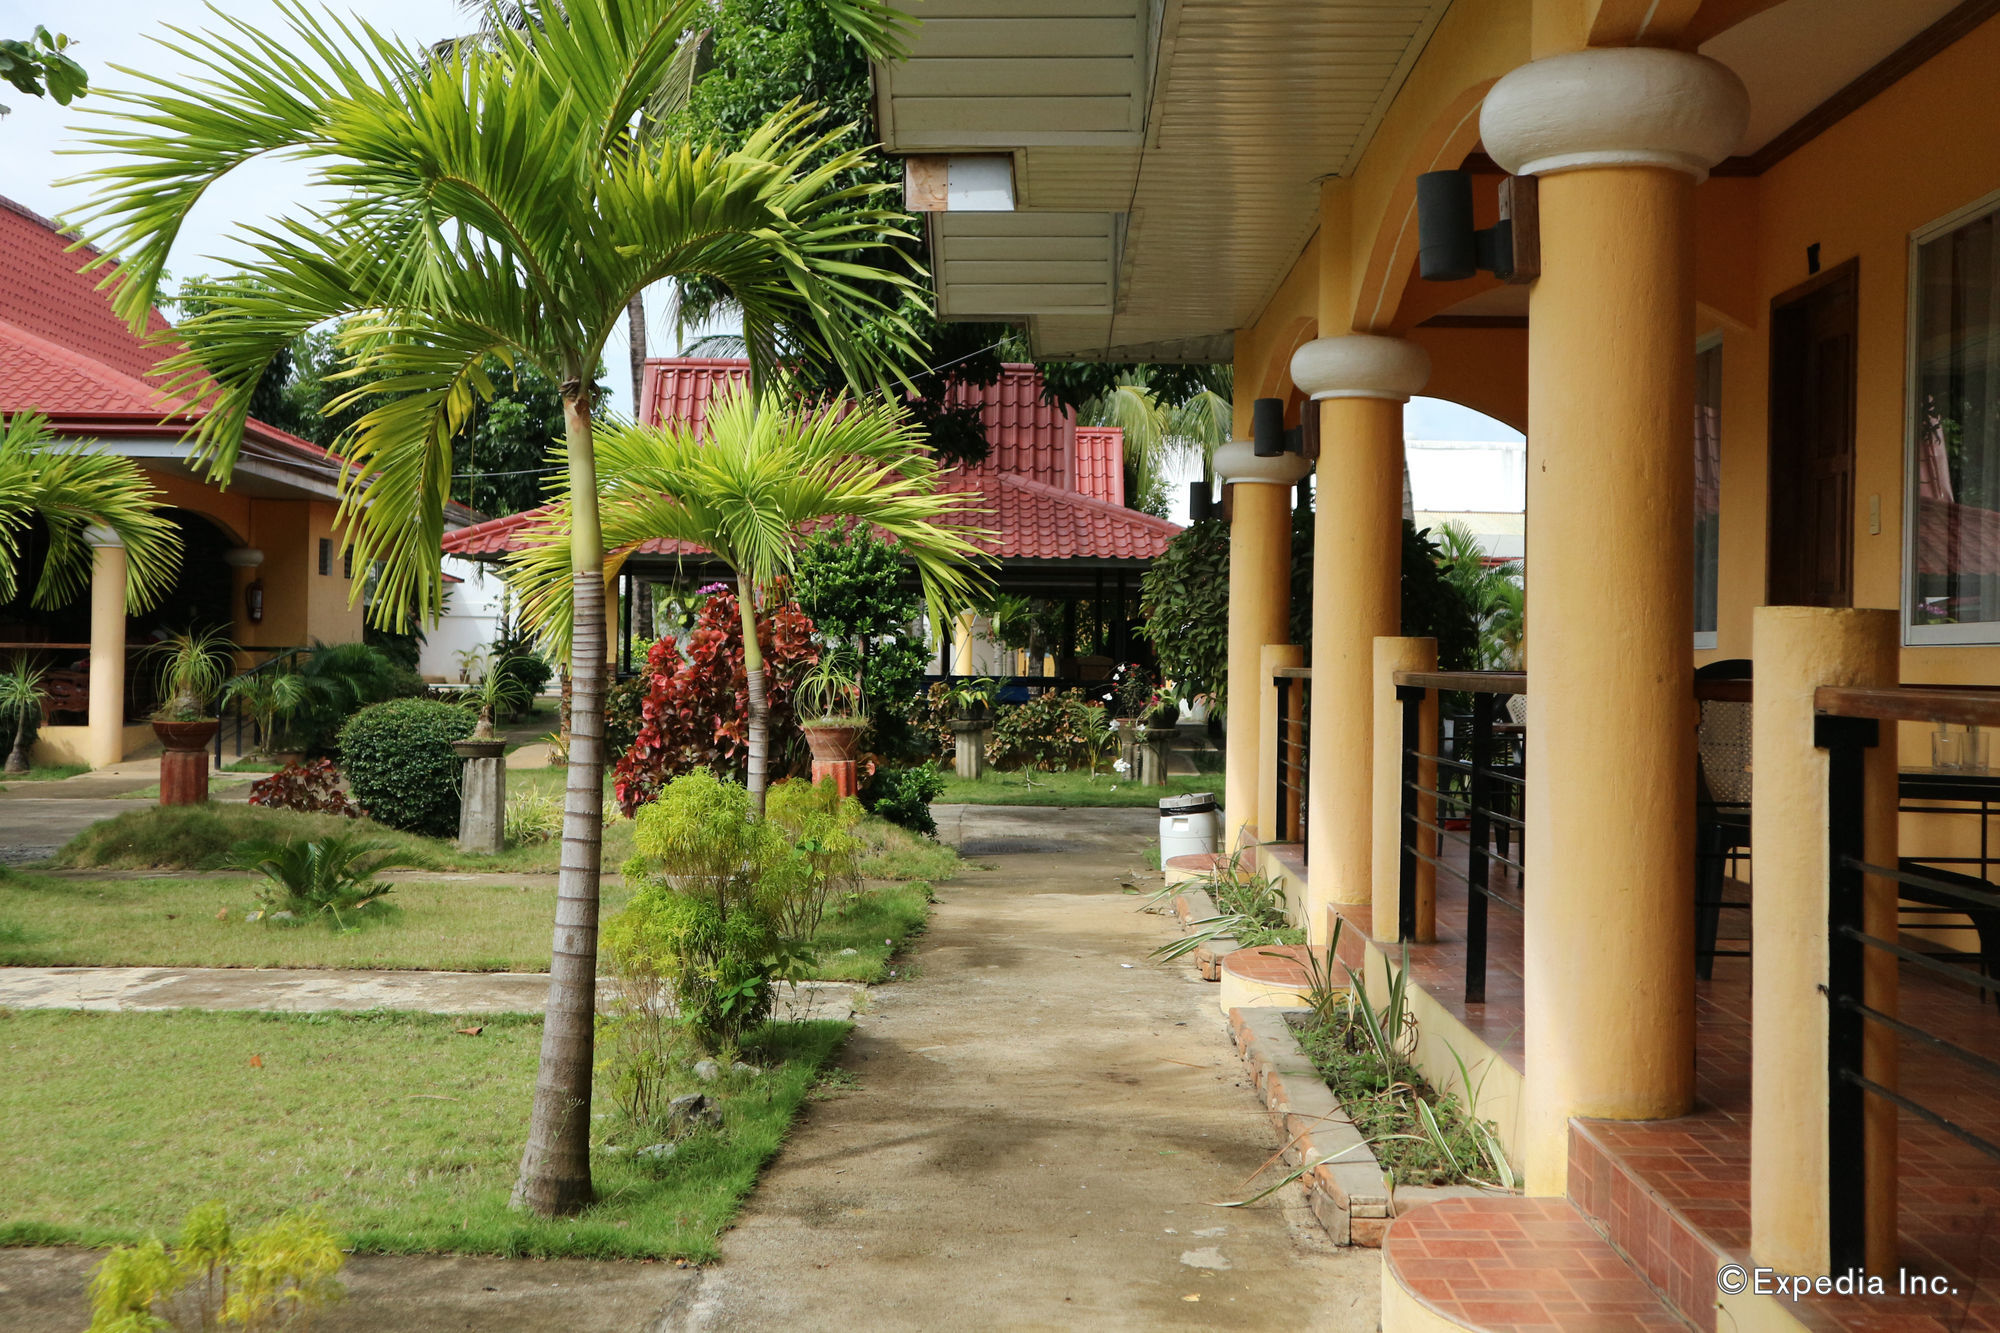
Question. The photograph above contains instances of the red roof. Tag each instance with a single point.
(65, 352)
(1054, 491)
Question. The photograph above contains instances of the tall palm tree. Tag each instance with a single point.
(1160, 434)
(489, 199)
(71, 488)
(748, 490)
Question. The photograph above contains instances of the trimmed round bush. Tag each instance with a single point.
(399, 765)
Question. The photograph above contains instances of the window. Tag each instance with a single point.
(1707, 489)
(326, 555)
(347, 563)
(1951, 477)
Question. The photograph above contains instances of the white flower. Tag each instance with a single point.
(1120, 767)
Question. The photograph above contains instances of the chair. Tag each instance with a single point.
(1721, 807)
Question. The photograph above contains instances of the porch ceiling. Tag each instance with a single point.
(1166, 154)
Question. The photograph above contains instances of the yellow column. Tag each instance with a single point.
(1798, 649)
(1273, 823)
(1619, 138)
(1359, 384)
(1260, 609)
(1391, 656)
(107, 648)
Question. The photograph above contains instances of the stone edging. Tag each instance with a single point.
(1191, 905)
(1347, 1191)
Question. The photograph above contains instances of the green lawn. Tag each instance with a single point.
(59, 921)
(44, 773)
(1067, 789)
(404, 1134)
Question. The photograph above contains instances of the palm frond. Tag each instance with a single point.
(72, 488)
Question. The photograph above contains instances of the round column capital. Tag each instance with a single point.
(1628, 106)
(99, 535)
(243, 557)
(1237, 461)
(1361, 365)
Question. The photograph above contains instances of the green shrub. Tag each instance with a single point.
(320, 878)
(624, 714)
(904, 795)
(1052, 732)
(534, 816)
(191, 837)
(399, 763)
(701, 927)
(273, 1277)
(819, 824)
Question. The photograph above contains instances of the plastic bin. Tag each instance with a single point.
(1189, 825)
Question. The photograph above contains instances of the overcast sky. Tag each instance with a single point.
(121, 32)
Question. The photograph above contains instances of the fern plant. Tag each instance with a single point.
(324, 877)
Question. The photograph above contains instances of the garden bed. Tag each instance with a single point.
(403, 1133)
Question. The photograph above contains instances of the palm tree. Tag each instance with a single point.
(21, 699)
(490, 199)
(1159, 434)
(747, 491)
(1493, 591)
(72, 488)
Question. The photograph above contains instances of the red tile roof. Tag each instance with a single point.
(1054, 491)
(64, 352)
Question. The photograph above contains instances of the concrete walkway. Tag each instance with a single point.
(1042, 1126)
(303, 990)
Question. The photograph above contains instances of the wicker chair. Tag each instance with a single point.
(1721, 809)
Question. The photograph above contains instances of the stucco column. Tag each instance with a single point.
(107, 647)
(1393, 655)
(1272, 821)
(1620, 138)
(1798, 649)
(1359, 384)
(1260, 609)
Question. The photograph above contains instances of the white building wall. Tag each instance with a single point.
(471, 618)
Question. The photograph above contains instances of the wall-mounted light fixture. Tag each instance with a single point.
(1450, 249)
(1201, 501)
(1267, 428)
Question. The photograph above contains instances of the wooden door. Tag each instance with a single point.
(1811, 552)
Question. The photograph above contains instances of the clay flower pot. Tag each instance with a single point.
(183, 736)
(184, 766)
(834, 742)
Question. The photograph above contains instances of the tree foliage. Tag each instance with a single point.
(41, 65)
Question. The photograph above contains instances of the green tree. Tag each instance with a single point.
(42, 66)
(851, 584)
(489, 201)
(71, 488)
(747, 490)
(1161, 432)
(1491, 589)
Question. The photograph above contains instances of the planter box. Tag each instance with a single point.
(1347, 1191)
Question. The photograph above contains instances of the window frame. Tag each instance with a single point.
(1915, 635)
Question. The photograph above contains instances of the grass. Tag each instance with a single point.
(59, 921)
(44, 773)
(1064, 789)
(895, 853)
(876, 925)
(403, 1133)
(201, 837)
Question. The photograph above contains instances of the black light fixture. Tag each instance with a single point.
(1201, 501)
(1267, 427)
(1450, 249)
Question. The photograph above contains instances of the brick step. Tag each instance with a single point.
(1502, 1262)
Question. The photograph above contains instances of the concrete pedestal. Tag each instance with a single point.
(482, 804)
(1152, 751)
(184, 764)
(969, 749)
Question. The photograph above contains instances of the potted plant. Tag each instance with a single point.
(21, 699)
(501, 691)
(970, 703)
(194, 666)
(834, 717)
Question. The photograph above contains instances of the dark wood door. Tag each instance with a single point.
(1811, 558)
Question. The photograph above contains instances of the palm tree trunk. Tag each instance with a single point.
(17, 758)
(760, 706)
(555, 1168)
(635, 323)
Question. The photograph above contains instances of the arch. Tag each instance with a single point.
(1276, 379)
(1452, 135)
(202, 593)
(1483, 369)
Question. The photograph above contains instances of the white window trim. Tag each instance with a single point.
(1915, 635)
(1705, 639)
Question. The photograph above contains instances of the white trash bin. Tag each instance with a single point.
(1189, 825)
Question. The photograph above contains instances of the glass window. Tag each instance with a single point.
(1707, 490)
(1953, 478)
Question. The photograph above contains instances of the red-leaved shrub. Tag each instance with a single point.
(697, 709)
(313, 788)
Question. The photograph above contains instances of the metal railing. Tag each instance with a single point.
(1849, 723)
(1482, 785)
(1291, 750)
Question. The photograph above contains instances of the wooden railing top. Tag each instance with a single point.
(1292, 673)
(1475, 682)
(1921, 703)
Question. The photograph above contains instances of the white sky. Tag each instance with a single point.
(121, 32)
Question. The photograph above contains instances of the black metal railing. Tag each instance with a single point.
(1480, 785)
(234, 711)
(1849, 724)
(1291, 750)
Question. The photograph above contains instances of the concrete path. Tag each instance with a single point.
(301, 990)
(33, 826)
(1042, 1126)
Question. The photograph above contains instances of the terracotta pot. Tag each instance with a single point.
(181, 736)
(835, 742)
